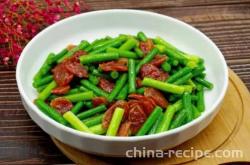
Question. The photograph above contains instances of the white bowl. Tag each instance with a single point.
(98, 24)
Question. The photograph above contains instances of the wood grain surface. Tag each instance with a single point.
(226, 22)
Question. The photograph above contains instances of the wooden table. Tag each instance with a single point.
(226, 22)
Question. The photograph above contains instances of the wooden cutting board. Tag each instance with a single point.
(230, 130)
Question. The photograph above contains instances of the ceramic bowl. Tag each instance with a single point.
(98, 24)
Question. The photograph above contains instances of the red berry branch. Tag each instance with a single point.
(21, 20)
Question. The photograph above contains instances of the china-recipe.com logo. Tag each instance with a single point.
(187, 153)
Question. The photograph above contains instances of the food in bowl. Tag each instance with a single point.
(123, 86)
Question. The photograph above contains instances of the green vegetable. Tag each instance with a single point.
(156, 125)
(122, 53)
(183, 79)
(139, 52)
(188, 88)
(170, 50)
(198, 70)
(73, 91)
(115, 122)
(200, 100)
(83, 89)
(41, 88)
(173, 71)
(194, 97)
(80, 96)
(75, 122)
(179, 119)
(118, 86)
(94, 88)
(116, 42)
(60, 55)
(98, 129)
(93, 79)
(131, 76)
(147, 125)
(176, 54)
(88, 48)
(129, 44)
(91, 67)
(187, 106)
(179, 74)
(175, 62)
(140, 90)
(101, 42)
(166, 66)
(42, 81)
(89, 104)
(87, 59)
(81, 46)
(173, 98)
(78, 106)
(190, 82)
(47, 91)
(93, 120)
(96, 72)
(52, 97)
(167, 87)
(141, 36)
(168, 116)
(202, 76)
(50, 111)
(161, 48)
(149, 57)
(77, 90)
(123, 93)
(204, 82)
(114, 74)
(45, 68)
(91, 112)
(196, 112)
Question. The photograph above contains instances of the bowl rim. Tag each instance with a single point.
(61, 127)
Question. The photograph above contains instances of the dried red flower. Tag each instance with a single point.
(21, 20)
